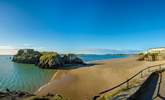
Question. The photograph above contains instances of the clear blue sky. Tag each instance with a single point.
(82, 24)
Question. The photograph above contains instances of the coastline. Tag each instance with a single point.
(74, 83)
(58, 71)
(55, 76)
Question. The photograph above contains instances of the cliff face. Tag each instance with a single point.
(151, 57)
(45, 59)
(72, 59)
(153, 54)
(50, 60)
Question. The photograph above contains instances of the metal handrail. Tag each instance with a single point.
(126, 82)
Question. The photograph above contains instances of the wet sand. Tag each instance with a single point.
(85, 82)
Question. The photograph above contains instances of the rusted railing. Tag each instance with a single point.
(126, 83)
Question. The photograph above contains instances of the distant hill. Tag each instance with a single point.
(107, 51)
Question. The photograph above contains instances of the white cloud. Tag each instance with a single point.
(7, 50)
(6, 47)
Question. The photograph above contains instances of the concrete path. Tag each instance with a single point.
(153, 90)
(161, 88)
(148, 88)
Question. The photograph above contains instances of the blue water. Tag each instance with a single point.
(27, 77)
(89, 58)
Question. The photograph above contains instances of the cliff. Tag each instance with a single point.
(72, 59)
(50, 60)
(151, 57)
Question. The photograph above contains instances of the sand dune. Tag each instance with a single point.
(83, 83)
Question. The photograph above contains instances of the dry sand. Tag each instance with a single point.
(85, 82)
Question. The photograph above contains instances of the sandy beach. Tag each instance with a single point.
(85, 82)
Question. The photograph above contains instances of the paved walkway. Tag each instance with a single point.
(161, 88)
(153, 90)
(148, 88)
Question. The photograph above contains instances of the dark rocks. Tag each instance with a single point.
(21, 95)
(14, 95)
(27, 56)
(72, 59)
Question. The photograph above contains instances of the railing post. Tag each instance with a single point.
(127, 84)
(148, 69)
(142, 74)
(160, 67)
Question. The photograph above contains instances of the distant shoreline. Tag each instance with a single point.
(76, 54)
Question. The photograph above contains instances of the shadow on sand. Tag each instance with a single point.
(76, 66)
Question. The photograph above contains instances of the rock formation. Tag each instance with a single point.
(50, 60)
(150, 57)
(72, 59)
(22, 95)
(45, 59)
(28, 56)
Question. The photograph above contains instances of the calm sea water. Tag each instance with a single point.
(29, 78)
(89, 58)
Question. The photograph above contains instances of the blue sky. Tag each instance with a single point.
(67, 25)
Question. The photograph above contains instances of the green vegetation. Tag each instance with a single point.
(50, 60)
(51, 97)
(141, 54)
(45, 59)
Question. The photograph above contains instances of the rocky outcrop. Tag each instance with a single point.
(150, 57)
(28, 56)
(14, 95)
(72, 59)
(45, 59)
(22, 95)
(50, 60)
(47, 97)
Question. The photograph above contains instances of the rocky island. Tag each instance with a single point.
(46, 59)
